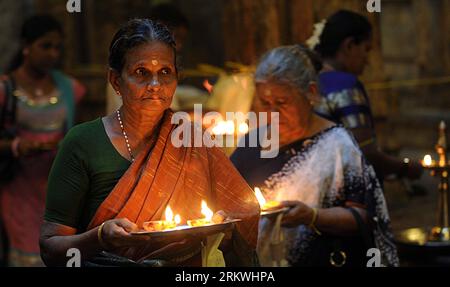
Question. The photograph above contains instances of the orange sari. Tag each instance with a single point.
(164, 175)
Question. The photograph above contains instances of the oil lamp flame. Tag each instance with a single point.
(169, 214)
(207, 85)
(259, 196)
(427, 161)
(177, 219)
(224, 128)
(243, 128)
(208, 213)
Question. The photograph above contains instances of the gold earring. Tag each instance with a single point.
(118, 92)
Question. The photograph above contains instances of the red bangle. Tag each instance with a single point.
(15, 146)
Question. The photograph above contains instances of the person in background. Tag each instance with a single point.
(344, 45)
(320, 173)
(37, 106)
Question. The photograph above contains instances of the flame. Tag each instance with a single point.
(208, 213)
(260, 197)
(177, 219)
(229, 127)
(169, 214)
(223, 127)
(207, 85)
(218, 129)
(427, 160)
(243, 128)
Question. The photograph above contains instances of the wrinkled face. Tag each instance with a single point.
(285, 99)
(44, 53)
(149, 78)
(358, 57)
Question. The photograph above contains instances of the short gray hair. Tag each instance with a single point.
(289, 64)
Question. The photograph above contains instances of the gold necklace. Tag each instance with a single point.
(125, 135)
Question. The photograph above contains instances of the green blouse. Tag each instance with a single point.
(86, 169)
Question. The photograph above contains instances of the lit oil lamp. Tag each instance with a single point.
(159, 225)
(229, 128)
(208, 213)
(428, 161)
(224, 128)
(243, 128)
(210, 217)
(440, 168)
(263, 203)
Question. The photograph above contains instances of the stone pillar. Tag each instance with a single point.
(250, 28)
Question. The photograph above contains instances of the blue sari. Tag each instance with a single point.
(344, 101)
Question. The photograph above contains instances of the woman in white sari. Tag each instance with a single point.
(337, 208)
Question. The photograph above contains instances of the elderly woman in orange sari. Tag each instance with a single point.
(115, 173)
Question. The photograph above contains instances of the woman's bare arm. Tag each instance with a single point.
(382, 161)
(339, 220)
(334, 220)
(56, 239)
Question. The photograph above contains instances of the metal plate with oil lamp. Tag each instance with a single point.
(186, 230)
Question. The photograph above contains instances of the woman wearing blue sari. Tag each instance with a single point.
(344, 45)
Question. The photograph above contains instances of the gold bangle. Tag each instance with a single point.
(312, 225)
(99, 236)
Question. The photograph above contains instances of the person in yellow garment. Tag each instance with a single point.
(115, 173)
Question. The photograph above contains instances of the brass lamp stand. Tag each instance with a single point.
(441, 232)
(431, 246)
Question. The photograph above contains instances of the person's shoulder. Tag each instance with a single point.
(84, 133)
(78, 88)
(343, 140)
(335, 81)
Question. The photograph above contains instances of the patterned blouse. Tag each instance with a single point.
(326, 170)
(344, 100)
